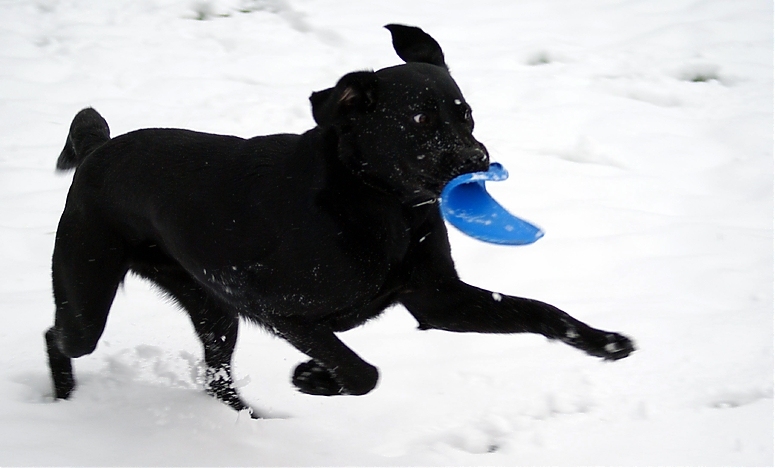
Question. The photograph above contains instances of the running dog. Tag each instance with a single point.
(306, 235)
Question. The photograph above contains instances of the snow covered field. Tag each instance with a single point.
(638, 134)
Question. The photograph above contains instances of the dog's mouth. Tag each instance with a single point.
(467, 161)
(430, 184)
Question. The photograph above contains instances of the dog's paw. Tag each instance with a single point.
(64, 384)
(606, 345)
(218, 383)
(616, 347)
(314, 379)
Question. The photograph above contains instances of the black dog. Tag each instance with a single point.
(305, 235)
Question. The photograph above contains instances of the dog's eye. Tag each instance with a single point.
(465, 114)
(464, 110)
(421, 119)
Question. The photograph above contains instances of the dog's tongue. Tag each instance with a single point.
(466, 205)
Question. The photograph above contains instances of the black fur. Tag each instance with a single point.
(306, 235)
(87, 132)
(412, 44)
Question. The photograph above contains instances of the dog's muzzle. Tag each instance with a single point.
(473, 159)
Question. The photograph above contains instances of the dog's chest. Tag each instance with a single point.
(322, 268)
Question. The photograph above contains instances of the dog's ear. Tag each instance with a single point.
(320, 107)
(413, 44)
(355, 91)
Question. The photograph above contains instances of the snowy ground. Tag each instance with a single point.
(638, 134)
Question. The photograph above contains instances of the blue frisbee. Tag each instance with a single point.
(466, 205)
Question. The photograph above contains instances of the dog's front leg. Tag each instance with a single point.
(334, 369)
(456, 306)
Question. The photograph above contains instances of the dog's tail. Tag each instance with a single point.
(87, 133)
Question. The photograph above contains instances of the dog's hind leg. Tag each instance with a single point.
(215, 324)
(87, 267)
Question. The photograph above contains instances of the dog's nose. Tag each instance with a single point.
(478, 158)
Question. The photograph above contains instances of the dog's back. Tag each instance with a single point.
(183, 190)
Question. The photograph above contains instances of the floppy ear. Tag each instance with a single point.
(319, 101)
(355, 91)
(413, 44)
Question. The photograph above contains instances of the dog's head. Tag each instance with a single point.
(405, 129)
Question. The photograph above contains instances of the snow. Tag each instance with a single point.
(638, 134)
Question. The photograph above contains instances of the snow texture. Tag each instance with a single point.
(638, 134)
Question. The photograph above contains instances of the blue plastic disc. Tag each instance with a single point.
(466, 205)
